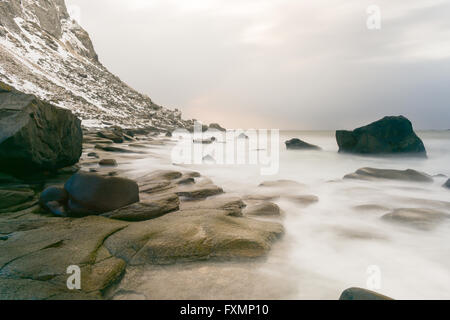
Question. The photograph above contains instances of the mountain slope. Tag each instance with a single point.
(46, 53)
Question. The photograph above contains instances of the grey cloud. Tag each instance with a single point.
(288, 64)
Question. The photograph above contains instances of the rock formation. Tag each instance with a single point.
(35, 134)
(390, 135)
(297, 144)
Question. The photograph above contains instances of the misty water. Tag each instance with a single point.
(330, 245)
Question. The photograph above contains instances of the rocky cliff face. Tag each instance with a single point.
(46, 53)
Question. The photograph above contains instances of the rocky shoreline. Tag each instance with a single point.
(181, 217)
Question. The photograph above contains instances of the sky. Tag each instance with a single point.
(285, 64)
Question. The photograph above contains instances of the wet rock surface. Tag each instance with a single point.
(106, 224)
(421, 218)
(401, 175)
(263, 210)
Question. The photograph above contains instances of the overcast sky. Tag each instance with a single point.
(288, 64)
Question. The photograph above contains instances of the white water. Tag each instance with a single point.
(329, 246)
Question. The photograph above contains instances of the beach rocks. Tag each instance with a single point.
(401, 175)
(420, 218)
(193, 235)
(232, 205)
(41, 254)
(297, 144)
(13, 197)
(390, 135)
(93, 194)
(35, 135)
(362, 294)
(146, 209)
(195, 192)
(108, 162)
(114, 135)
(447, 184)
(265, 209)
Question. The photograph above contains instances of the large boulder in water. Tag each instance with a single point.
(94, 194)
(390, 135)
(35, 135)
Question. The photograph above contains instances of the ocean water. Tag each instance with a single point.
(331, 245)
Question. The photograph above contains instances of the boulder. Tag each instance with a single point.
(362, 294)
(447, 184)
(297, 144)
(390, 135)
(35, 135)
(401, 175)
(263, 209)
(90, 193)
(419, 218)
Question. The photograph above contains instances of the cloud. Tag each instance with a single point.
(280, 63)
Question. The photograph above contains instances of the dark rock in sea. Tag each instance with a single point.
(447, 184)
(390, 135)
(94, 194)
(362, 294)
(108, 162)
(405, 175)
(35, 135)
(217, 126)
(54, 199)
(297, 144)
